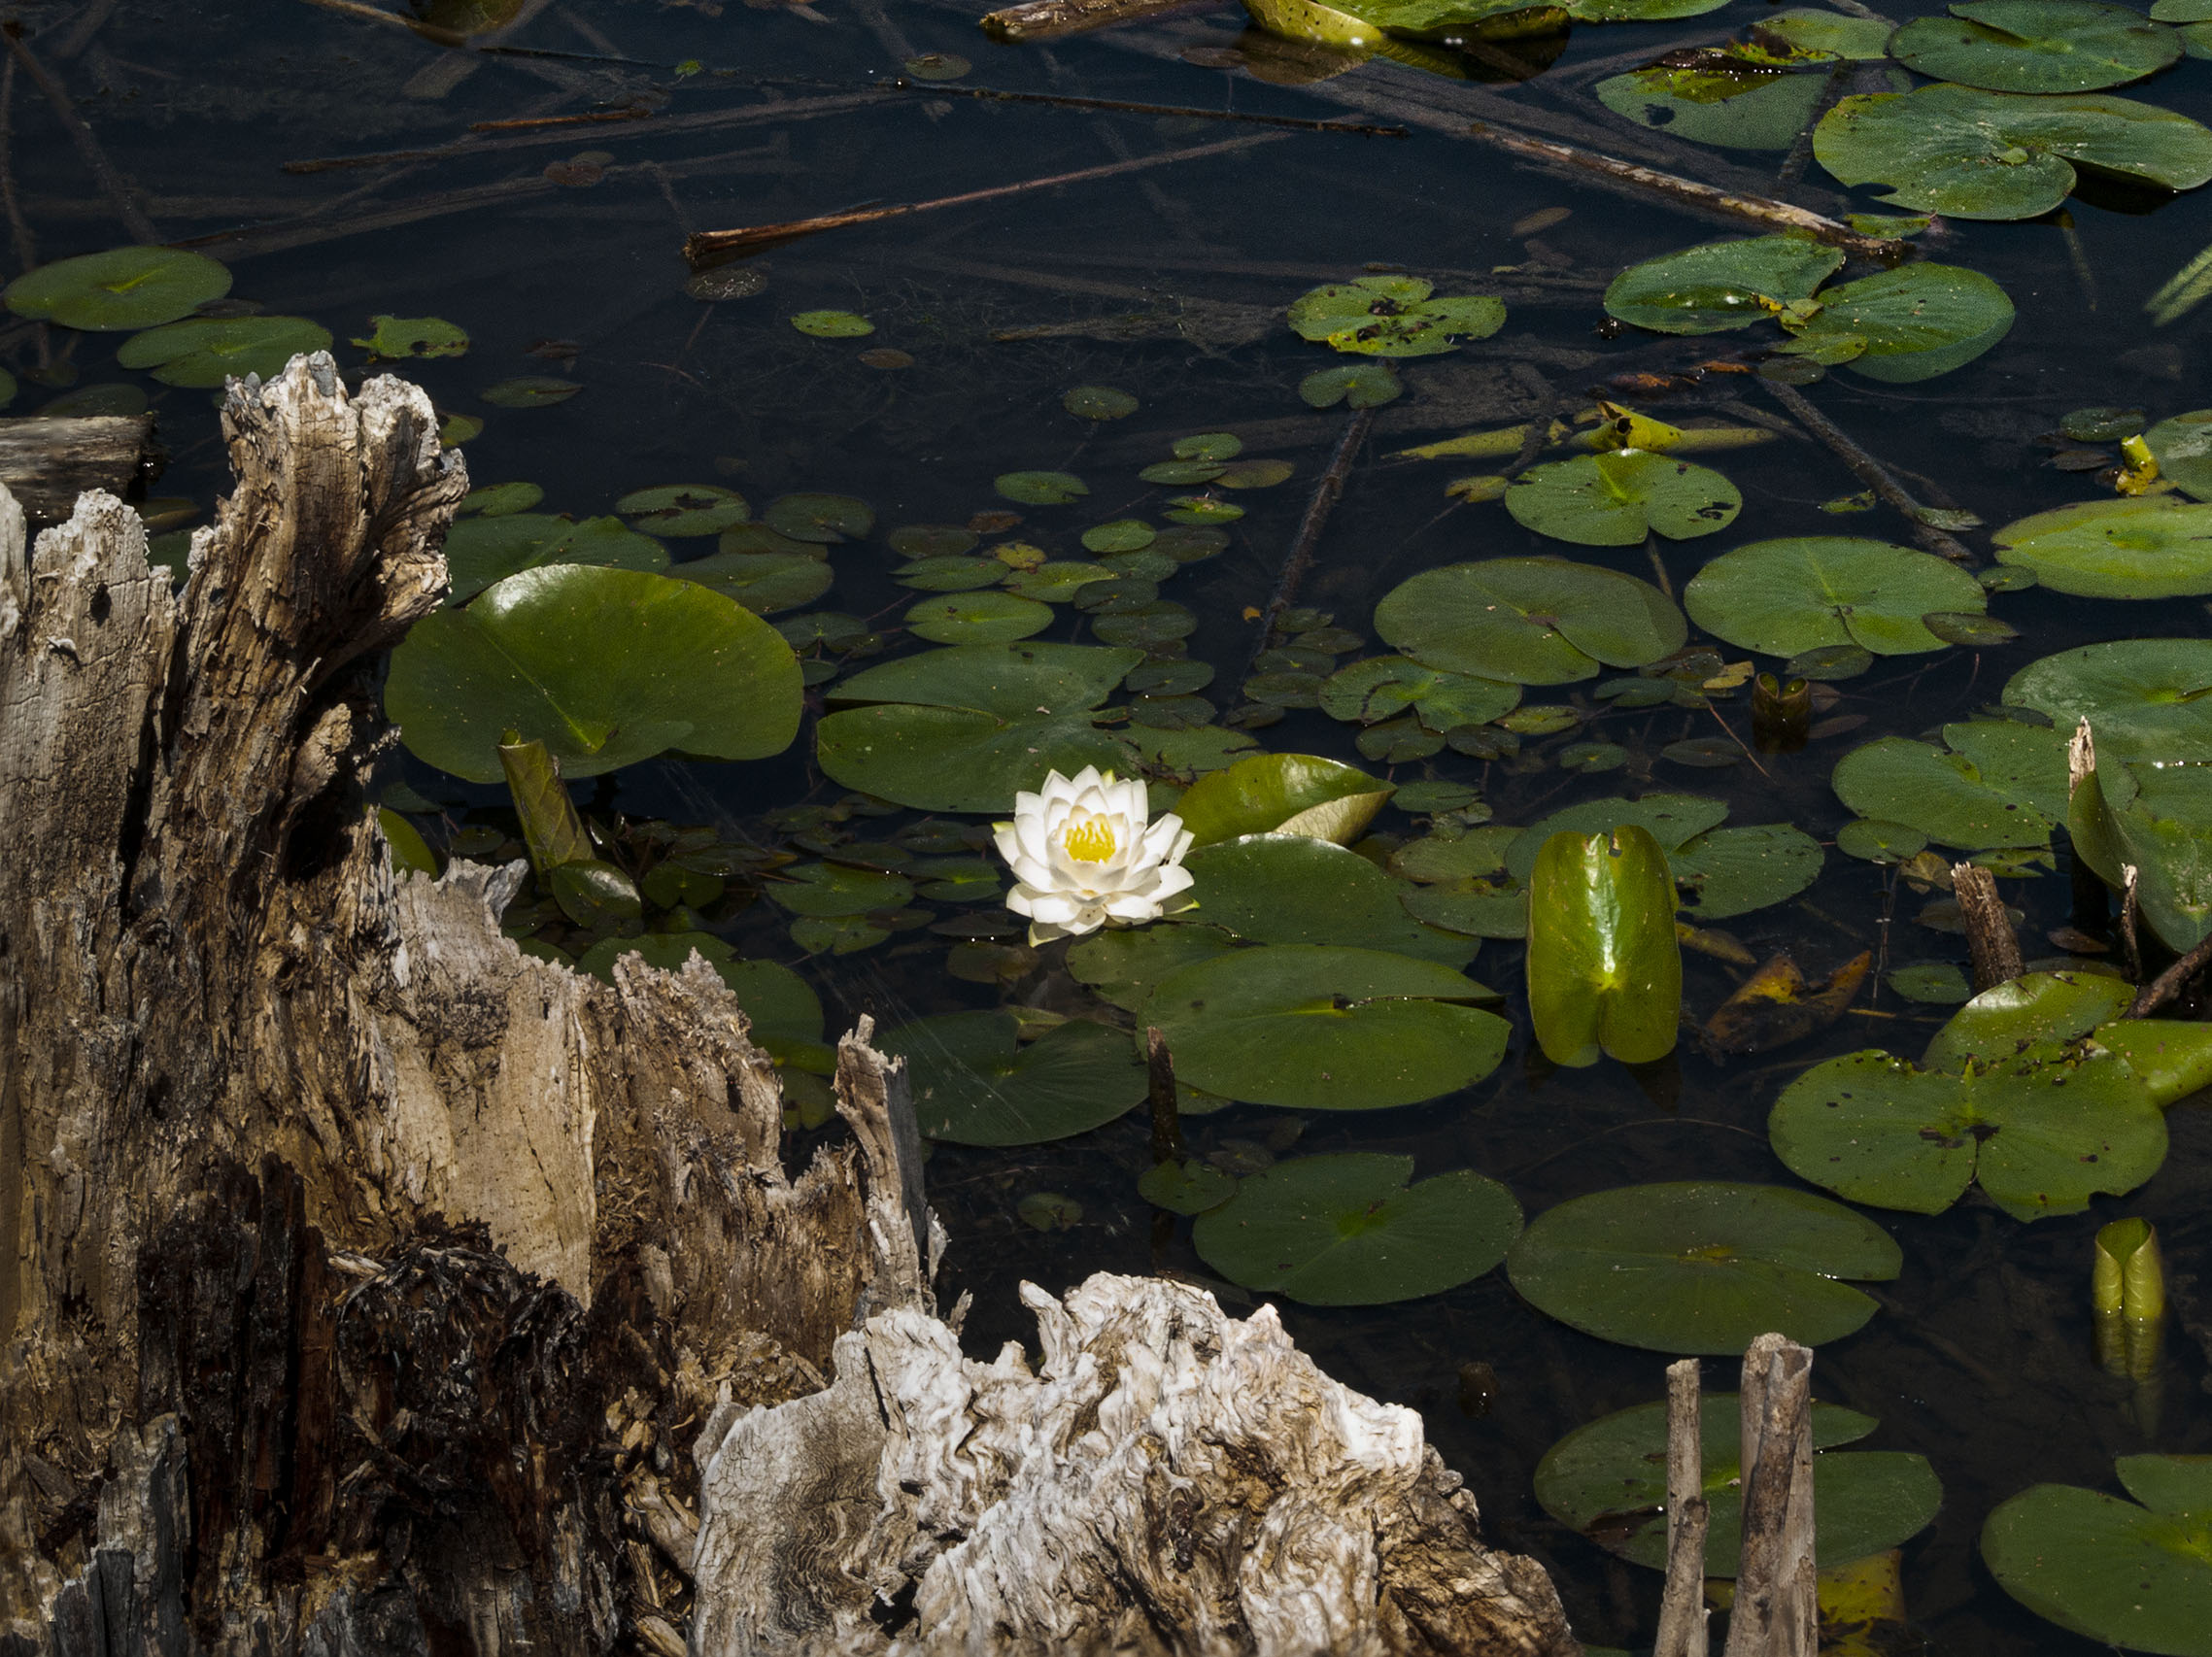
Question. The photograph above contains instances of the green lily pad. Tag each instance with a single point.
(2036, 46)
(1873, 841)
(973, 1085)
(984, 617)
(1825, 33)
(203, 352)
(1976, 155)
(393, 339)
(1781, 597)
(680, 510)
(829, 892)
(1042, 488)
(2154, 815)
(124, 288)
(968, 727)
(2151, 547)
(1618, 497)
(820, 519)
(1393, 315)
(1054, 582)
(931, 540)
(1733, 871)
(1348, 1231)
(1734, 109)
(1098, 402)
(763, 582)
(1671, 819)
(1937, 983)
(1355, 385)
(481, 551)
(530, 391)
(496, 500)
(1997, 783)
(2044, 1131)
(2135, 1576)
(1604, 967)
(1186, 1188)
(605, 666)
(1313, 1028)
(1388, 686)
(1608, 1481)
(1702, 1267)
(1904, 325)
(2005, 1021)
(1721, 286)
(1279, 889)
(1122, 535)
(832, 325)
(1529, 621)
(2181, 446)
(2147, 696)
(1124, 963)
(1289, 793)
(952, 574)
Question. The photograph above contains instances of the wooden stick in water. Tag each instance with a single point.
(1869, 471)
(1759, 210)
(1681, 1606)
(1042, 19)
(1323, 501)
(1992, 945)
(1167, 1121)
(716, 246)
(1776, 1611)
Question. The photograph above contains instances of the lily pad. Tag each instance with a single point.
(829, 892)
(1281, 888)
(1995, 783)
(2135, 1576)
(1393, 315)
(2043, 1130)
(1125, 964)
(1736, 111)
(1721, 286)
(1904, 325)
(968, 727)
(2003, 1022)
(2150, 547)
(1348, 1231)
(393, 339)
(974, 1085)
(2154, 815)
(1042, 488)
(1608, 1481)
(763, 582)
(1732, 871)
(1618, 497)
(820, 519)
(1781, 597)
(124, 288)
(481, 551)
(680, 510)
(2151, 697)
(1671, 819)
(1288, 793)
(1604, 967)
(1358, 386)
(2181, 446)
(1529, 621)
(530, 391)
(1976, 155)
(832, 325)
(1189, 1187)
(1703, 1266)
(605, 666)
(1386, 687)
(1312, 1028)
(2036, 46)
(204, 352)
(978, 618)
(1098, 402)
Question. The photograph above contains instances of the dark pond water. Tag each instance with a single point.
(1980, 1355)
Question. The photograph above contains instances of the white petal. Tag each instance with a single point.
(1131, 906)
(1029, 873)
(1083, 780)
(1007, 839)
(1021, 899)
(1171, 879)
(1092, 917)
(1057, 907)
(1029, 834)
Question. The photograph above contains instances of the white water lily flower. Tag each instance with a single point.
(1083, 856)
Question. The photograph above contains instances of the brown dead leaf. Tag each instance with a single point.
(1776, 1005)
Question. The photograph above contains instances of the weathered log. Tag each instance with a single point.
(1776, 1611)
(1992, 947)
(45, 465)
(1681, 1606)
(368, 1286)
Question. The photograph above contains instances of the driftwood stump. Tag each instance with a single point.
(47, 463)
(370, 1287)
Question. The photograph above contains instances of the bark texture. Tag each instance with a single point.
(368, 1287)
(47, 463)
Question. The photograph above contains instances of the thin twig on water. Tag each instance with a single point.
(2170, 983)
(715, 247)
(111, 185)
(1869, 471)
(1323, 501)
(1122, 106)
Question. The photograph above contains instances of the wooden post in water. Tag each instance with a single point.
(1992, 945)
(1682, 1609)
(1776, 1612)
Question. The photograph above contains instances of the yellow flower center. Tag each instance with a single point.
(1089, 840)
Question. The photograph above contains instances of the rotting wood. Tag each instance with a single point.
(343, 1238)
(1776, 1612)
(1682, 1605)
(1044, 20)
(47, 463)
(1871, 472)
(1992, 947)
(1160, 1087)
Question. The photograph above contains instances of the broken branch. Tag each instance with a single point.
(1870, 472)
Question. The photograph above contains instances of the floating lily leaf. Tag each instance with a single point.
(1828, 34)
(1388, 686)
(1604, 967)
(1263, 474)
(1737, 110)
(1393, 315)
(951, 575)
(2127, 1575)
(2154, 815)
(975, 1086)
(833, 890)
(1358, 386)
(1608, 1481)
(1318, 1029)
(1348, 1231)
(2036, 46)
(2147, 697)
(394, 338)
(2044, 1131)
(1721, 284)
(203, 352)
(1997, 783)
(1976, 155)
(821, 519)
(2038, 1008)
(124, 288)
(1286, 794)
(979, 618)
(1122, 535)
(832, 325)
(604, 666)
(679, 510)
(968, 727)
(1098, 402)
(1702, 1267)
(2181, 446)
(1529, 621)
(1937, 983)
(1879, 842)
(763, 582)
(1279, 889)
(1042, 488)
(496, 500)
(1906, 325)
(480, 550)
(1185, 1188)
(2151, 547)
(1671, 819)
(1733, 871)
(1055, 582)
(530, 391)
(1615, 499)
(1781, 597)
(1125, 964)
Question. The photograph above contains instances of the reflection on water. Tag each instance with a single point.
(537, 196)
